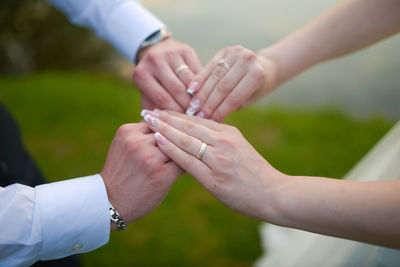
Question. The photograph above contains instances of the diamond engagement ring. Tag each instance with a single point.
(222, 63)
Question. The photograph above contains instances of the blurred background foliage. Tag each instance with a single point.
(34, 36)
(63, 86)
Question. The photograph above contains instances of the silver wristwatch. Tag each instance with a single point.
(154, 38)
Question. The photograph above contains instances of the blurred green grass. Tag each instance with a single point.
(69, 119)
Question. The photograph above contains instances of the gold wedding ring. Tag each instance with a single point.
(201, 151)
(181, 68)
(222, 63)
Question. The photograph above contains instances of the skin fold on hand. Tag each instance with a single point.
(137, 175)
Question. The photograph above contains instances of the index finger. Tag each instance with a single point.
(189, 163)
(216, 126)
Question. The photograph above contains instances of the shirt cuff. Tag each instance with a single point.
(128, 26)
(74, 216)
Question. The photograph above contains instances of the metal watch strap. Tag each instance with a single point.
(115, 217)
(156, 37)
(153, 39)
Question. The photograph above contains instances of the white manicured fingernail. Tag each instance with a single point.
(193, 87)
(151, 120)
(148, 112)
(190, 111)
(143, 112)
(161, 139)
(147, 118)
(194, 105)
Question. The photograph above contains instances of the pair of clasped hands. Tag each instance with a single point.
(146, 158)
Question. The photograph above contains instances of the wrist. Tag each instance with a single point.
(271, 56)
(152, 40)
(274, 208)
(111, 201)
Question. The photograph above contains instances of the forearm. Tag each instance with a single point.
(350, 26)
(52, 220)
(362, 211)
(124, 24)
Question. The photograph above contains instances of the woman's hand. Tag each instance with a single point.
(236, 77)
(230, 168)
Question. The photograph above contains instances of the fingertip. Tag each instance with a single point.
(193, 87)
(194, 106)
(160, 139)
(143, 112)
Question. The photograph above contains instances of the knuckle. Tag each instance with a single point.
(188, 125)
(153, 58)
(132, 145)
(222, 86)
(249, 56)
(187, 52)
(139, 74)
(233, 129)
(147, 160)
(123, 131)
(226, 142)
(258, 74)
(237, 48)
(170, 54)
(217, 73)
(234, 102)
(185, 141)
(188, 161)
(218, 116)
(160, 99)
(224, 161)
(174, 87)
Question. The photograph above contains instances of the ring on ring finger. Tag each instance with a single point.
(202, 150)
(223, 63)
(181, 68)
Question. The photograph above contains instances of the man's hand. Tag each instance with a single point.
(137, 174)
(156, 74)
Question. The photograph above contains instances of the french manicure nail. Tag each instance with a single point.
(148, 112)
(143, 112)
(194, 105)
(193, 87)
(190, 111)
(151, 120)
(161, 139)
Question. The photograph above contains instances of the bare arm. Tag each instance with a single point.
(245, 76)
(348, 27)
(362, 211)
(233, 171)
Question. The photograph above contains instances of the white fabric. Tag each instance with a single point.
(52, 221)
(123, 23)
(286, 247)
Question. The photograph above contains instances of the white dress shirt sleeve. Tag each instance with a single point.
(123, 23)
(53, 220)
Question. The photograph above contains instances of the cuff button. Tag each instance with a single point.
(77, 247)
